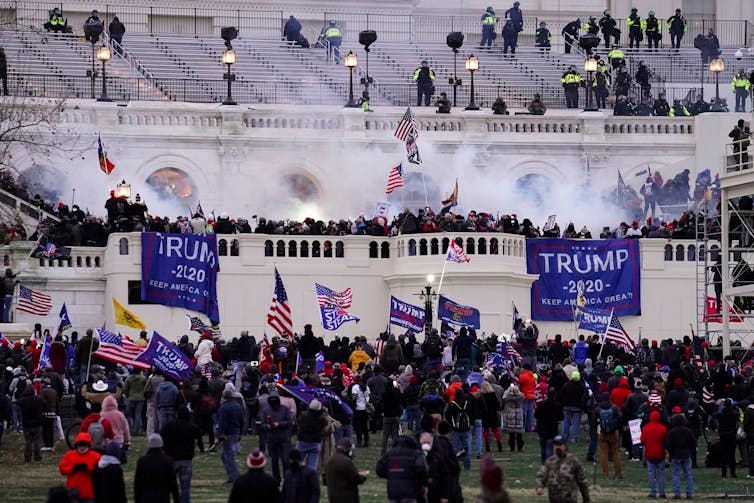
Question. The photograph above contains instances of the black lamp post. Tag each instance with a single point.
(590, 66)
(455, 42)
(428, 295)
(472, 65)
(104, 55)
(229, 58)
(367, 38)
(350, 61)
(717, 66)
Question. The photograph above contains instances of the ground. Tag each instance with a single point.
(29, 483)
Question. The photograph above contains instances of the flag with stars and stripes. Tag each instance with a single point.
(279, 316)
(33, 302)
(406, 126)
(616, 334)
(118, 349)
(456, 253)
(394, 179)
(330, 298)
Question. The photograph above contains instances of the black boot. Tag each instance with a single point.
(499, 446)
(486, 447)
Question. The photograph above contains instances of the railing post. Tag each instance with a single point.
(196, 31)
(151, 17)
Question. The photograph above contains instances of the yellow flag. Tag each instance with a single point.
(125, 317)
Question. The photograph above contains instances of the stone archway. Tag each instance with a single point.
(172, 185)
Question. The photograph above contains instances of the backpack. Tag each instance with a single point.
(97, 432)
(460, 421)
(608, 420)
(207, 405)
(434, 347)
(430, 387)
(20, 388)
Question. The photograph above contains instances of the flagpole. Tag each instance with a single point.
(89, 360)
(604, 334)
(426, 200)
(575, 326)
(442, 275)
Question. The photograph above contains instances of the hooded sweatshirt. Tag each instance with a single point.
(118, 422)
(78, 468)
(653, 438)
(618, 395)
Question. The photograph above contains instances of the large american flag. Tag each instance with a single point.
(616, 334)
(406, 126)
(456, 253)
(331, 298)
(118, 349)
(33, 302)
(279, 316)
(394, 179)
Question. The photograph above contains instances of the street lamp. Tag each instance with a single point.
(472, 65)
(104, 55)
(123, 189)
(350, 61)
(229, 58)
(590, 66)
(428, 294)
(717, 66)
(455, 42)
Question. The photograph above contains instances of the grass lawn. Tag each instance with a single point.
(29, 483)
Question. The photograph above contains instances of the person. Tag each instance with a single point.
(510, 37)
(489, 20)
(78, 464)
(727, 427)
(653, 440)
(166, 403)
(741, 87)
(93, 27)
(7, 287)
(709, 46)
(405, 469)
(698, 107)
(301, 482)
(571, 397)
(360, 397)
(548, 414)
(609, 421)
(424, 76)
(87, 345)
(179, 438)
(154, 479)
(678, 109)
(118, 422)
(562, 475)
(513, 417)
(491, 481)
(570, 34)
(601, 88)
(527, 383)
(255, 482)
(107, 478)
(457, 416)
(653, 30)
(32, 408)
(334, 37)
(343, 479)
(133, 392)
(277, 422)
(592, 27)
(292, 30)
(311, 424)
(229, 429)
(517, 19)
(680, 443)
(499, 107)
(650, 192)
(740, 136)
(543, 37)
(635, 28)
(677, 28)
(748, 429)
(661, 107)
(117, 30)
(616, 57)
(609, 28)
(622, 82)
(4, 74)
(438, 474)
(642, 78)
(56, 23)
(443, 103)
(571, 81)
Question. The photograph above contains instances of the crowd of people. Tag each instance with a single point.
(436, 404)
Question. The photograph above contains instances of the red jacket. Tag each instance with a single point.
(80, 479)
(93, 418)
(450, 393)
(619, 394)
(527, 384)
(653, 438)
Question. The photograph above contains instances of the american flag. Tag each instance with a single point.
(406, 126)
(616, 334)
(33, 302)
(279, 316)
(118, 349)
(331, 298)
(511, 352)
(197, 325)
(456, 253)
(394, 179)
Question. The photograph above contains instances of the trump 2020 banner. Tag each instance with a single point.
(456, 314)
(601, 274)
(406, 315)
(167, 358)
(180, 270)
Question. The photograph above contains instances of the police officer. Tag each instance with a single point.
(424, 76)
(741, 86)
(642, 78)
(543, 37)
(601, 85)
(616, 57)
(334, 38)
(517, 18)
(562, 475)
(570, 33)
(609, 28)
(622, 82)
(661, 108)
(56, 23)
(489, 20)
(571, 81)
(677, 28)
(510, 36)
(592, 26)
(635, 27)
(623, 107)
(678, 109)
(653, 29)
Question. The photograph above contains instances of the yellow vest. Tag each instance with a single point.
(333, 32)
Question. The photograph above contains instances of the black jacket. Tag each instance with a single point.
(108, 484)
(392, 402)
(32, 410)
(572, 394)
(179, 438)
(256, 482)
(680, 440)
(548, 414)
(310, 426)
(301, 485)
(154, 480)
(404, 468)
(727, 422)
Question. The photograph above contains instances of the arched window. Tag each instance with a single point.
(235, 248)
(222, 248)
(304, 249)
(691, 253)
(445, 244)
(373, 249)
(494, 246)
(470, 246)
(679, 253)
(434, 247)
(668, 253)
(482, 246)
(123, 246)
(385, 250)
(292, 249)
(97, 262)
(315, 249)
(78, 261)
(327, 249)
(268, 248)
(411, 247)
(87, 261)
(281, 248)
(422, 247)
(340, 251)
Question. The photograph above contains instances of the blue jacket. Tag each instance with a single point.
(404, 468)
(580, 351)
(166, 395)
(229, 419)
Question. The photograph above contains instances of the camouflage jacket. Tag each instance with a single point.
(563, 478)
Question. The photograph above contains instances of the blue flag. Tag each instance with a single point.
(65, 320)
(326, 397)
(319, 362)
(406, 315)
(494, 360)
(333, 317)
(456, 314)
(593, 319)
(44, 356)
(167, 358)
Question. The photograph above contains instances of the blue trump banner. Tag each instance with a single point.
(406, 315)
(603, 274)
(334, 317)
(167, 358)
(594, 320)
(180, 270)
(456, 314)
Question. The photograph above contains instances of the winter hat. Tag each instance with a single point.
(315, 405)
(455, 378)
(654, 398)
(154, 441)
(678, 382)
(618, 370)
(575, 375)
(677, 410)
(443, 427)
(256, 459)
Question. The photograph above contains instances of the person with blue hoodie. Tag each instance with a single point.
(580, 351)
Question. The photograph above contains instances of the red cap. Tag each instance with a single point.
(678, 382)
(654, 343)
(677, 410)
(474, 388)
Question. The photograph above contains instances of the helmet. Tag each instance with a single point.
(332, 22)
(542, 24)
(651, 13)
(606, 12)
(490, 10)
(634, 9)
